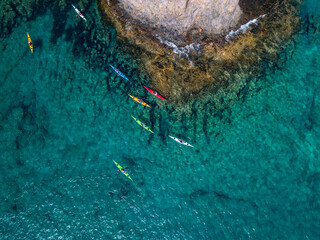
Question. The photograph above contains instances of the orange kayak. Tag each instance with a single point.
(30, 43)
(138, 100)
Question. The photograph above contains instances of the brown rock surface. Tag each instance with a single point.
(183, 62)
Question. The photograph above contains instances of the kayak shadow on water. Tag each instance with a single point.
(129, 160)
(163, 128)
(120, 194)
(69, 34)
(123, 193)
(38, 43)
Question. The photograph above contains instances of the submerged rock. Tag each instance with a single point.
(189, 47)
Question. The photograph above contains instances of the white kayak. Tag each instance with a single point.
(181, 141)
(79, 13)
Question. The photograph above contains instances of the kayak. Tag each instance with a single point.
(181, 141)
(138, 100)
(119, 73)
(142, 124)
(155, 93)
(125, 173)
(79, 13)
(30, 43)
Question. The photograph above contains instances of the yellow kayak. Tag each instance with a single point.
(121, 168)
(138, 100)
(30, 43)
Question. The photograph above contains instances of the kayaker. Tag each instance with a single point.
(140, 100)
(155, 93)
(123, 169)
(30, 44)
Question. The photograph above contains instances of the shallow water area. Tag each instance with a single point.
(254, 171)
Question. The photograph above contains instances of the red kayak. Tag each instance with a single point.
(155, 93)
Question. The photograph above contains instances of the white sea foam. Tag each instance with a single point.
(181, 51)
(243, 28)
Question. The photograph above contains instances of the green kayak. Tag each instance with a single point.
(125, 173)
(142, 124)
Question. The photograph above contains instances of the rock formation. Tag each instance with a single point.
(192, 46)
(174, 19)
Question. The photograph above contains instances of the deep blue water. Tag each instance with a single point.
(254, 171)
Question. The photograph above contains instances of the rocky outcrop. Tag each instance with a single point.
(196, 46)
(175, 19)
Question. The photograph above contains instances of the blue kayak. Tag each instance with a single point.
(119, 73)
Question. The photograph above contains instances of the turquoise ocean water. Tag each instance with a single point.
(254, 172)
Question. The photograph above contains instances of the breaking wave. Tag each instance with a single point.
(181, 51)
(243, 28)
